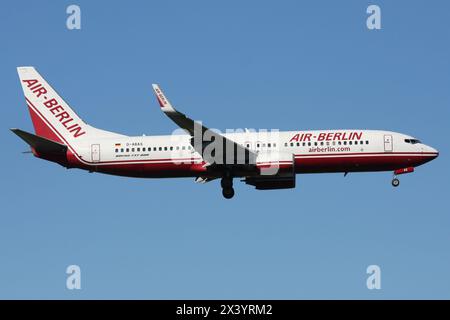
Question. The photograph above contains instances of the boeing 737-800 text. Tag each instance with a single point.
(264, 159)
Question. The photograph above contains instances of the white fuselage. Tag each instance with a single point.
(313, 151)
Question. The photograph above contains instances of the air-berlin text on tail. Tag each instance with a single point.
(55, 108)
(327, 136)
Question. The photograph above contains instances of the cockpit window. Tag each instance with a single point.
(412, 141)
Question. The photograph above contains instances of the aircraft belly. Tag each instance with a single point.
(356, 163)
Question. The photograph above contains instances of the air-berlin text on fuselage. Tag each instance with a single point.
(327, 136)
(55, 108)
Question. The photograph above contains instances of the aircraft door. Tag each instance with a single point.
(388, 143)
(95, 152)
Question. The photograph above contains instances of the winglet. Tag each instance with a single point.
(163, 101)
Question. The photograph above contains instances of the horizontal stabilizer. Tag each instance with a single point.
(40, 144)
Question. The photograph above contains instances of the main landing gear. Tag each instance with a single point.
(227, 186)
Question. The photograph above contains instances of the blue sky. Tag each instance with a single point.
(259, 64)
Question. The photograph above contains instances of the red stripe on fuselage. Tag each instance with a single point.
(364, 153)
(304, 163)
(359, 163)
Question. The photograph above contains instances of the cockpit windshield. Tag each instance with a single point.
(412, 141)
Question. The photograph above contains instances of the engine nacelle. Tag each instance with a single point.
(272, 182)
(276, 171)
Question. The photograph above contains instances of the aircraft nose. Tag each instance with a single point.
(433, 151)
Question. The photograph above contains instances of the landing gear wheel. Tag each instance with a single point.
(226, 183)
(228, 193)
(395, 182)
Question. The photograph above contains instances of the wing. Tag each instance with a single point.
(223, 152)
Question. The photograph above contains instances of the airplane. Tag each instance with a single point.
(265, 160)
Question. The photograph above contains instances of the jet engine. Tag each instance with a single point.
(276, 171)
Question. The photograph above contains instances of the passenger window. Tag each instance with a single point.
(184, 148)
(292, 144)
(165, 148)
(132, 149)
(121, 150)
(248, 145)
(315, 143)
(286, 144)
(117, 150)
(367, 141)
(274, 145)
(269, 145)
(128, 150)
(350, 142)
(321, 143)
(257, 145)
(171, 148)
(154, 148)
(160, 148)
(138, 149)
(345, 143)
(309, 144)
(178, 148)
(304, 143)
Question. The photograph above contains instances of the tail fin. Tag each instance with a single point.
(52, 117)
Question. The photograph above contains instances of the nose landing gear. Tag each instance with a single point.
(395, 182)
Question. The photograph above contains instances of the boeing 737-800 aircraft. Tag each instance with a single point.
(265, 160)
